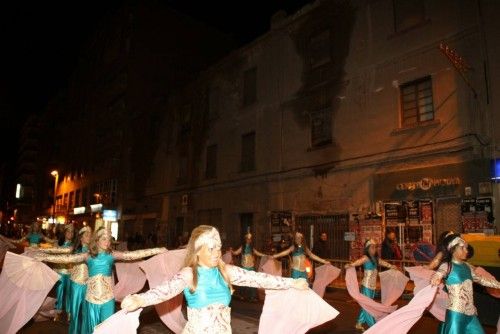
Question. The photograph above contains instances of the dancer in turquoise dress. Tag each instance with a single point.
(248, 253)
(34, 237)
(78, 281)
(63, 287)
(206, 282)
(458, 276)
(299, 253)
(370, 263)
(99, 301)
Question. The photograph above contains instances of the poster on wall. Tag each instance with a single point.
(281, 223)
(426, 212)
(395, 213)
(413, 212)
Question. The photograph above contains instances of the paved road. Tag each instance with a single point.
(245, 319)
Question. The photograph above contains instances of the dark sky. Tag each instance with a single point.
(41, 42)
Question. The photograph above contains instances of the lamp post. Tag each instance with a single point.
(55, 174)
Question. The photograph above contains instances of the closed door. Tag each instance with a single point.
(448, 215)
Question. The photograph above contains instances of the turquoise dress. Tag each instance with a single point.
(368, 286)
(63, 288)
(99, 301)
(247, 259)
(298, 255)
(35, 239)
(78, 287)
(461, 314)
(211, 289)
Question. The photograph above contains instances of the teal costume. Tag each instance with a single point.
(368, 287)
(78, 287)
(298, 252)
(63, 288)
(35, 239)
(211, 289)
(248, 263)
(461, 315)
(97, 308)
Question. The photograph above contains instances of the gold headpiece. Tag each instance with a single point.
(210, 238)
(456, 241)
(370, 242)
(69, 227)
(84, 229)
(103, 232)
(248, 235)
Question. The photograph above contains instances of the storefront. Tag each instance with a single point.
(420, 204)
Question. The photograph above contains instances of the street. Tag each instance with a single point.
(245, 319)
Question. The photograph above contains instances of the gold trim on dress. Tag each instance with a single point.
(370, 279)
(99, 289)
(461, 298)
(212, 319)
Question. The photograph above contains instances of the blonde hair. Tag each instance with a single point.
(94, 242)
(191, 260)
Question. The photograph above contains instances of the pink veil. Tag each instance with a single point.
(377, 310)
(120, 323)
(160, 268)
(325, 274)
(131, 279)
(24, 284)
(393, 284)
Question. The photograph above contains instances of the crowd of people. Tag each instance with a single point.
(84, 261)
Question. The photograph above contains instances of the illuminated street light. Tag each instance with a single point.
(55, 174)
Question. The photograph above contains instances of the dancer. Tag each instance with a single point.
(370, 261)
(34, 237)
(299, 251)
(99, 299)
(78, 277)
(458, 275)
(248, 263)
(207, 284)
(440, 250)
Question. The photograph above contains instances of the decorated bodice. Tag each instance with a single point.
(460, 290)
(102, 264)
(79, 272)
(63, 268)
(299, 258)
(35, 238)
(370, 275)
(247, 258)
(211, 289)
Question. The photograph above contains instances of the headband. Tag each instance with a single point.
(210, 238)
(370, 242)
(69, 227)
(103, 231)
(456, 241)
(248, 235)
(83, 230)
(449, 233)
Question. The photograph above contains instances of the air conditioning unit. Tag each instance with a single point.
(185, 200)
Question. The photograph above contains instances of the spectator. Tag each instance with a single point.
(390, 247)
(322, 247)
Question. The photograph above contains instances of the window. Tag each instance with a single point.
(319, 49)
(214, 102)
(408, 14)
(211, 166)
(248, 152)
(321, 127)
(416, 102)
(78, 201)
(65, 200)
(250, 86)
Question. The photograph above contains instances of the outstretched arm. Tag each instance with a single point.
(256, 252)
(437, 277)
(315, 257)
(48, 240)
(62, 258)
(386, 264)
(161, 293)
(57, 250)
(484, 281)
(358, 262)
(255, 279)
(435, 261)
(237, 252)
(283, 253)
(138, 254)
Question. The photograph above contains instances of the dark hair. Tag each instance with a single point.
(373, 259)
(448, 253)
(440, 244)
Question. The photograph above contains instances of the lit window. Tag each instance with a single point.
(416, 102)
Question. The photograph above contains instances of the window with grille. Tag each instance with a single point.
(319, 49)
(250, 86)
(416, 102)
(321, 128)
(211, 166)
(248, 152)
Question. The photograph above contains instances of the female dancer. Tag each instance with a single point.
(99, 299)
(63, 288)
(34, 237)
(78, 277)
(370, 262)
(207, 284)
(299, 251)
(248, 261)
(458, 275)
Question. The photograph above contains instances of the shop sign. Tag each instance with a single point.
(349, 236)
(95, 208)
(79, 210)
(109, 215)
(427, 183)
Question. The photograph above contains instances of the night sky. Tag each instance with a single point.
(41, 41)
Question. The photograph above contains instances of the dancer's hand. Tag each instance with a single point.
(300, 284)
(131, 303)
(435, 280)
(347, 266)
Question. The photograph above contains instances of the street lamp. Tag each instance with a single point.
(55, 174)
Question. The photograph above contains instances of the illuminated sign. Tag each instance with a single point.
(495, 170)
(61, 219)
(79, 210)
(95, 207)
(18, 190)
(428, 183)
(109, 215)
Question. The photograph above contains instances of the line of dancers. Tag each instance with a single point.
(85, 286)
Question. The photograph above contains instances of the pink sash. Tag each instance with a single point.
(325, 274)
(393, 284)
(120, 323)
(131, 279)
